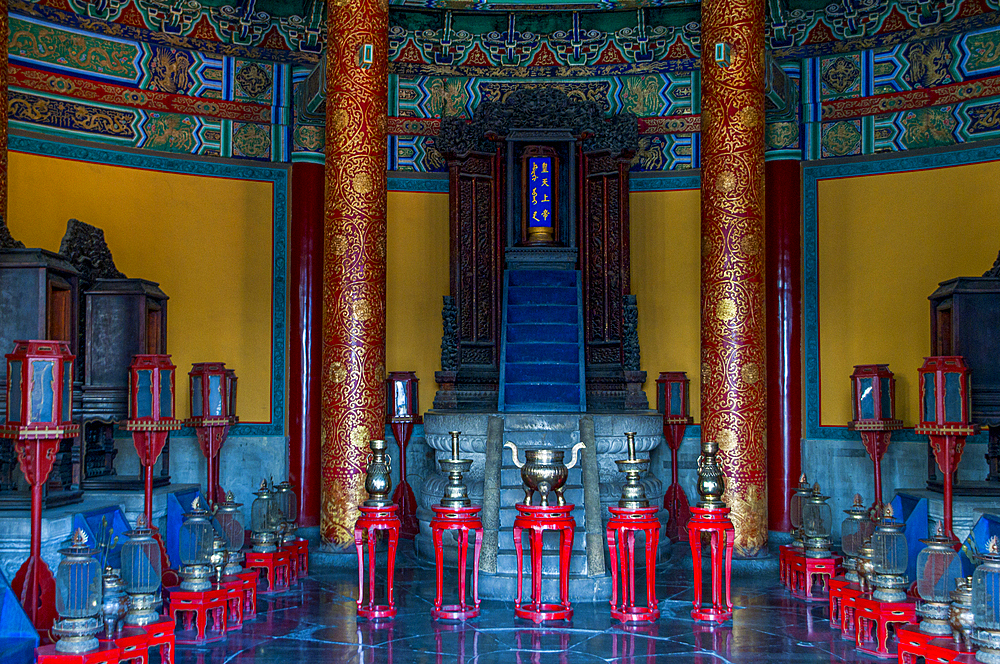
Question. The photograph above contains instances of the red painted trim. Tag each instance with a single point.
(670, 124)
(305, 299)
(783, 293)
(894, 102)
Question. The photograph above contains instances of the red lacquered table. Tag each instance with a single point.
(722, 534)
(538, 519)
(464, 520)
(373, 519)
(622, 527)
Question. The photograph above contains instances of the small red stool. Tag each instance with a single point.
(835, 598)
(161, 634)
(722, 535)
(248, 579)
(942, 650)
(621, 543)
(302, 550)
(132, 644)
(106, 653)
(276, 564)
(538, 519)
(198, 608)
(464, 520)
(783, 564)
(293, 562)
(911, 643)
(234, 602)
(849, 610)
(872, 620)
(796, 570)
(371, 520)
(823, 569)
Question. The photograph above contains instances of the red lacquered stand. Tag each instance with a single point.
(538, 519)
(835, 599)
(132, 644)
(622, 527)
(234, 602)
(464, 520)
(198, 608)
(248, 580)
(849, 611)
(301, 551)
(277, 565)
(823, 569)
(371, 520)
(790, 565)
(722, 536)
(872, 619)
(292, 550)
(911, 643)
(161, 634)
(106, 653)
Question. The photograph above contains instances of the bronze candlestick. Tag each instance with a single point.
(633, 493)
(455, 494)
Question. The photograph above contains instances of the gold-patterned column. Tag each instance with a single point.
(733, 402)
(353, 382)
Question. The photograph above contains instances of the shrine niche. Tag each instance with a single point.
(579, 223)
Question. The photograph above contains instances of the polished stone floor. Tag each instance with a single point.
(316, 622)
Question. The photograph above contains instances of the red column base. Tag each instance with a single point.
(371, 520)
(464, 520)
(106, 653)
(538, 519)
(203, 612)
(276, 565)
(622, 526)
(872, 620)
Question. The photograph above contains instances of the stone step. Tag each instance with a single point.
(543, 352)
(545, 371)
(541, 295)
(533, 332)
(536, 278)
(582, 588)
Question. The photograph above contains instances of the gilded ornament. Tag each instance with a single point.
(752, 243)
(339, 118)
(725, 311)
(750, 117)
(362, 309)
(338, 244)
(727, 440)
(726, 182)
(750, 373)
(338, 372)
(359, 436)
(362, 183)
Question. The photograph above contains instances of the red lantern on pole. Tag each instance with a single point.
(673, 401)
(403, 413)
(213, 393)
(39, 416)
(945, 419)
(873, 399)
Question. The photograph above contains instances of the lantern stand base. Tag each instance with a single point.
(621, 530)
(106, 653)
(812, 569)
(301, 550)
(849, 610)
(234, 602)
(465, 520)
(132, 644)
(835, 599)
(293, 561)
(161, 634)
(198, 608)
(536, 520)
(248, 582)
(871, 624)
(277, 567)
(722, 535)
(404, 497)
(911, 643)
(371, 520)
(791, 567)
(46, 614)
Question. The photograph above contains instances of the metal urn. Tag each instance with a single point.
(114, 605)
(633, 493)
(219, 557)
(455, 494)
(378, 481)
(711, 482)
(865, 567)
(961, 617)
(544, 472)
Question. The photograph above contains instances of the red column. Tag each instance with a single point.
(353, 392)
(783, 270)
(305, 319)
(733, 347)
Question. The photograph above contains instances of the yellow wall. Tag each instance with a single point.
(666, 276)
(885, 242)
(206, 241)
(416, 280)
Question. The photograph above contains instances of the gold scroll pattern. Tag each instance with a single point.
(353, 381)
(4, 32)
(733, 399)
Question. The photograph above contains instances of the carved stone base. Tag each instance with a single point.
(466, 391)
(635, 398)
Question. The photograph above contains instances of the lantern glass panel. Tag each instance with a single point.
(14, 391)
(853, 533)
(141, 565)
(287, 503)
(890, 553)
(866, 397)
(936, 573)
(78, 587)
(885, 395)
(953, 397)
(166, 393)
(399, 398)
(144, 393)
(817, 519)
(676, 405)
(231, 387)
(215, 396)
(196, 541)
(661, 399)
(264, 515)
(196, 396)
(42, 391)
(795, 510)
(232, 529)
(67, 392)
(986, 596)
(930, 413)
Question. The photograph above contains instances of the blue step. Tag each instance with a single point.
(547, 372)
(541, 313)
(536, 393)
(541, 295)
(543, 352)
(532, 332)
(566, 278)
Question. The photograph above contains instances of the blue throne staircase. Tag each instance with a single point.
(542, 366)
